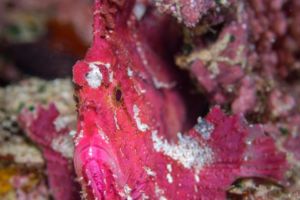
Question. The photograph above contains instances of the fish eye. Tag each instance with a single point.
(118, 94)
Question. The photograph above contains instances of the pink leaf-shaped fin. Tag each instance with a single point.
(239, 150)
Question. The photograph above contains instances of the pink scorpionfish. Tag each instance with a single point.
(128, 143)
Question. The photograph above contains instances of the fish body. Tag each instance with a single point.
(129, 143)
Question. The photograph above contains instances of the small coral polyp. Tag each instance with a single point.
(127, 145)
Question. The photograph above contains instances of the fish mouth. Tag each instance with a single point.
(97, 171)
(88, 153)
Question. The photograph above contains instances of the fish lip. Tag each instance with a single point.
(101, 155)
(87, 146)
(81, 160)
(88, 164)
(103, 158)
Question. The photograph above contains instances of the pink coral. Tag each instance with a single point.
(276, 35)
(190, 12)
(219, 68)
(251, 66)
(40, 127)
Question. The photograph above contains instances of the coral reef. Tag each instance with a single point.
(50, 132)
(248, 66)
(276, 35)
(22, 174)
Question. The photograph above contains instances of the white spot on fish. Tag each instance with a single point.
(107, 65)
(78, 138)
(149, 171)
(139, 89)
(145, 197)
(141, 53)
(141, 126)
(159, 84)
(90, 153)
(159, 192)
(169, 167)
(126, 193)
(129, 72)
(169, 178)
(94, 76)
(249, 142)
(116, 121)
(204, 127)
(197, 178)
(103, 136)
(111, 77)
(187, 152)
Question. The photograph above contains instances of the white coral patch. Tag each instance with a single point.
(64, 145)
(187, 152)
(62, 122)
(141, 126)
(94, 76)
(21, 152)
(159, 84)
(72, 133)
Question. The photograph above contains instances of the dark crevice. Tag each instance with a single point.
(196, 103)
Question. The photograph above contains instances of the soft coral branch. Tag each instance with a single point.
(40, 127)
